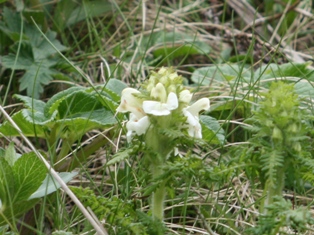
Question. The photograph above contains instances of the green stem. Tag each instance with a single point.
(158, 197)
(270, 191)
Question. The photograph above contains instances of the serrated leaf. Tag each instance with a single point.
(35, 54)
(49, 185)
(54, 102)
(31, 103)
(119, 157)
(29, 172)
(78, 104)
(24, 60)
(211, 130)
(35, 78)
(27, 123)
(11, 24)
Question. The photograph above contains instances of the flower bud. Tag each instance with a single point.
(277, 133)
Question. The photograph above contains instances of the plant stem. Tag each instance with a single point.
(270, 191)
(158, 197)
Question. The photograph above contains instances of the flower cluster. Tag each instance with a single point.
(163, 95)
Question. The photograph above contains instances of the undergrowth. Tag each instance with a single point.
(113, 98)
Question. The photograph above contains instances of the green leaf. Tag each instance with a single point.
(120, 156)
(31, 103)
(7, 184)
(10, 155)
(173, 44)
(285, 70)
(116, 86)
(54, 102)
(304, 89)
(29, 123)
(49, 185)
(88, 9)
(211, 130)
(29, 172)
(24, 60)
(11, 24)
(35, 54)
(223, 73)
(11, 212)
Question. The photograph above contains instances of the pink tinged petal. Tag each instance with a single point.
(201, 104)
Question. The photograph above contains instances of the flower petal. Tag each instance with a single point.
(129, 103)
(139, 126)
(172, 101)
(194, 127)
(156, 108)
(201, 104)
(185, 96)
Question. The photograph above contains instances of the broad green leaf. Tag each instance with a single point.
(26, 122)
(31, 103)
(10, 155)
(16, 210)
(31, 123)
(88, 9)
(78, 104)
(29, 172)
(220, 74)
(285, 70)
(7, 184)
(2, 152)
(49, 185)
(211, 130)
(173, 44)
(116, 86)
(304, 89)
(87, 121)
(54, 102)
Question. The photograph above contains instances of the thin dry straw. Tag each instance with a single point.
(96, 224)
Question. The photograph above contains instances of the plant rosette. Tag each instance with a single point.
(158, 110)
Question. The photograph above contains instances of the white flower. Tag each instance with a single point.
(185, 96)
(159, 108)
(137, 125)
(129, 103)
(191, 112)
